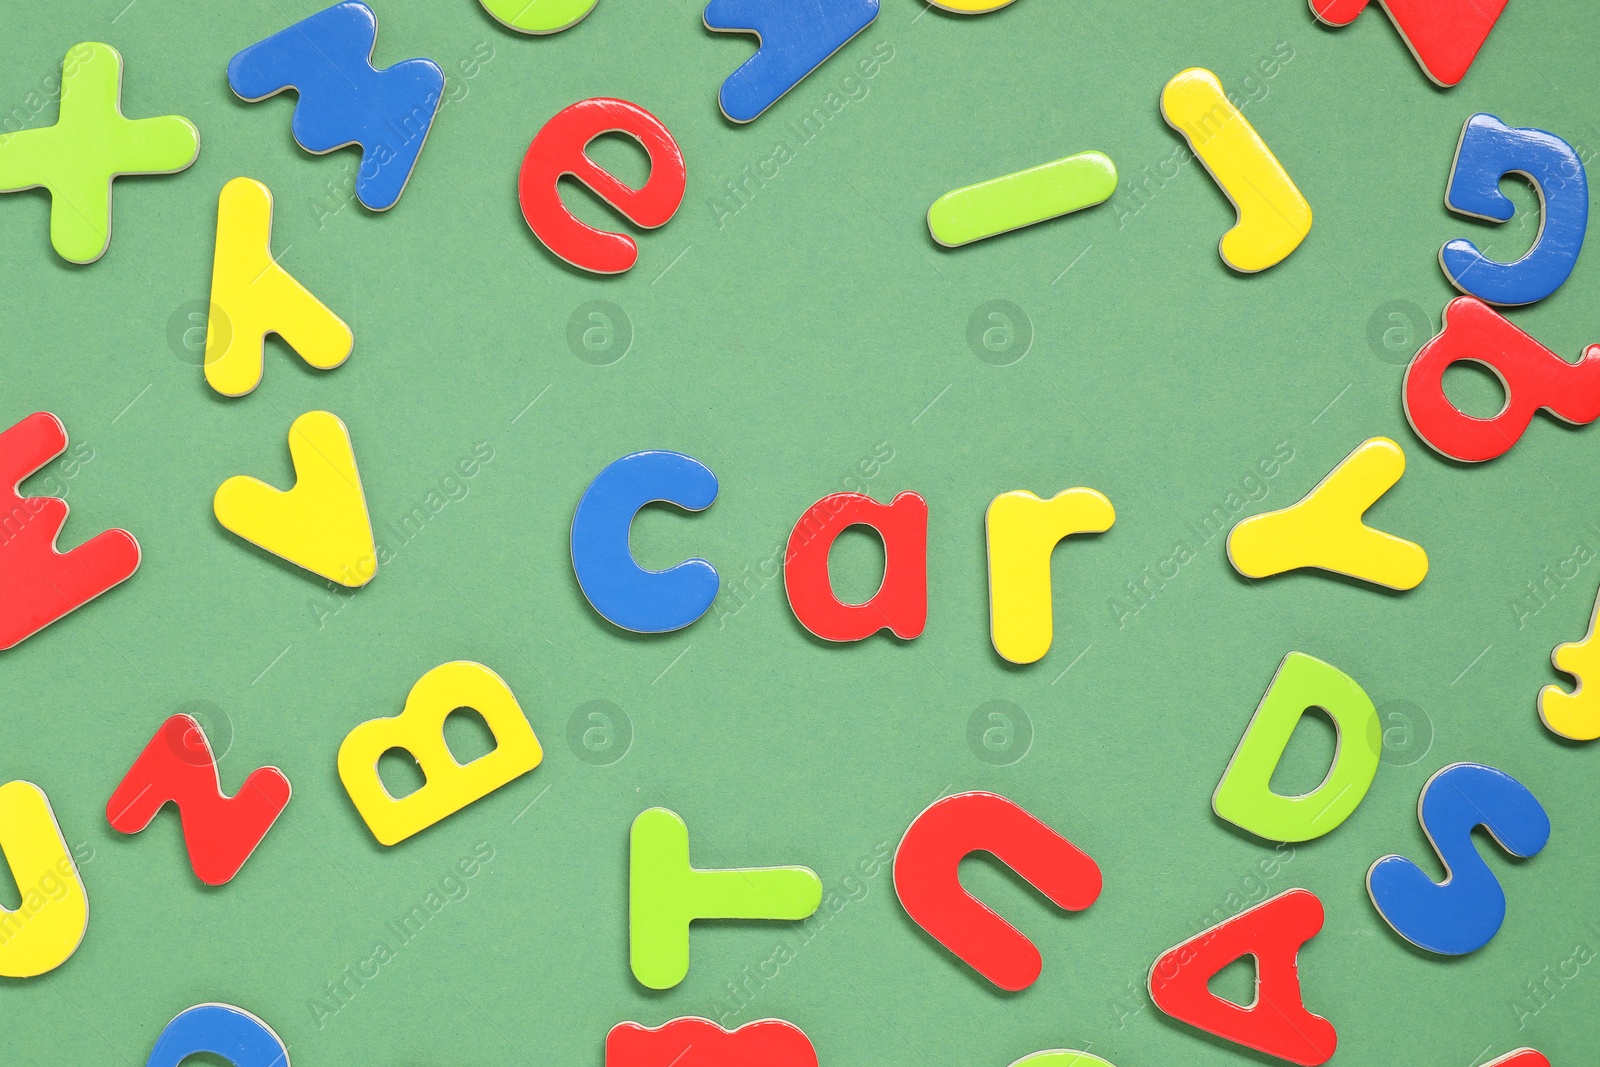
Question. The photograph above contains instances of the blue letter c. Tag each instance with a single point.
(649, 602)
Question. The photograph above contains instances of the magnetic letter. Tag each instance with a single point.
(1324, 530)
(419, 730)
(1022, 532)
(625, 594)
(1056, 1057)
(694, 1042)
(558, 150)
(797, 37)
(343, 98)
(1012, 201)
(1488, 151)
(220, 832)
(79, 157)
(46, 929)
(1533, 376)
(926, 881)
(1575, 715)
(901, 603)
(1244, 796)
(252, 296)
(1462, 913)
(1273, 216)
(221, 1030)
(1277, 1021)
(539, 16)
(1444, 35)
(666, 894)
(321, 523)
(1520, 1057)
(38, 584)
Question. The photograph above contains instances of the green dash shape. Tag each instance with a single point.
(1013, 201)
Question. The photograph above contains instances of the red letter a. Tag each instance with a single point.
(220, 832)
(1278, 1022)
(901, 602)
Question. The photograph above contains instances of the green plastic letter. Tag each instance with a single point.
(1244, 796)
(665, 894)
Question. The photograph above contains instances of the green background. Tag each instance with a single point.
(792, 345)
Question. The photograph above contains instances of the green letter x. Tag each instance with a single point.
(90, 144)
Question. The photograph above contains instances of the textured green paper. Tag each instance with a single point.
(800, 333)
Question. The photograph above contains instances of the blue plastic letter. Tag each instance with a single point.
(344, 99)
(1460, 914)
(222, 1030)
(797, 37)
(647, 602)
(1488, 151)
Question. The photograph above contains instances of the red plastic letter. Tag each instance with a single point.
(1534, 377)
(901, 603)
(1277, 1023)
(691, 1042)
(38, 585)
(220, 832)
(925, 879)
(1444, 35)
(558, 151)
(1520, 1057)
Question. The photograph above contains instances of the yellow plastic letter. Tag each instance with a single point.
(1022, 531)
(322, 523)
(1575, 715)
(251, 296)
(419, 730)
(1324, 530)
(1273, 217)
